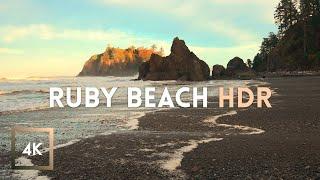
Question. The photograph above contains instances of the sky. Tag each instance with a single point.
(54, 38)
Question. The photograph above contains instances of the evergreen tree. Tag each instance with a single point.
(258, 63)
(154, 47)
(249, 63)
(268, 43)
(286, 15)
(161, 52)
(309, 8)
(316, 7)
(261, 60)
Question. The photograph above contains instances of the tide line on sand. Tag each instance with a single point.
(247, 130)
(133, 121)
(34, 174)
(27, 174)
(175, 159)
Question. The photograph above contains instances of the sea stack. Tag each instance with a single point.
(236, 69)
(117, 62)
(181, 64)
(218, 71)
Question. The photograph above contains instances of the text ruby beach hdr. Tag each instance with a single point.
(137, 98)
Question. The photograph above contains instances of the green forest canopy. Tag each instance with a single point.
(296, 45)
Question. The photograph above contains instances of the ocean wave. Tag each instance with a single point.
(16, 92)
(24, 110)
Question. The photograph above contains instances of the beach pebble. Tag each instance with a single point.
(195, 168)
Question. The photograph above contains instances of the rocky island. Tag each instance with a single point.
(117, 61)
(236, 69)
(181, 64)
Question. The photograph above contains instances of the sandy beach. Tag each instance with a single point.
(208, 89)
(280, 142)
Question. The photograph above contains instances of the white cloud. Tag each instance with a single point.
(9, 51)
(217, 55)
(230, 31)
(213, 55)
(12, 34)
(48, 32)
(266, 9)
(194, 13)
(264, 2)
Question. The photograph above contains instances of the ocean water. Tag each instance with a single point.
(25, 103)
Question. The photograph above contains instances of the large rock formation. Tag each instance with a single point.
(236, 65)
(181, 64)
(236, 69)
(218, 71)
(117, 62)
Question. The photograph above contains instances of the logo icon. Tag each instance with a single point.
(31, 148)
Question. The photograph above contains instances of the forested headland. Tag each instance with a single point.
(296, 45)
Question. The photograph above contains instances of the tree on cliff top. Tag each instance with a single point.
(286, 15)
(260, 61)
(309, 8)
(297, 46)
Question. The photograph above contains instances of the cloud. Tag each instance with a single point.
(217, 55)
(10, 51)
(12, 34)
(213, 55)
(229, 30)
(266, 7)
(48, 32)
(264, 2)
(209, 15)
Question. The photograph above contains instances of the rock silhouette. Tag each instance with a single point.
(181, 64)
(236, 65)
(236, 69)
(218, 71)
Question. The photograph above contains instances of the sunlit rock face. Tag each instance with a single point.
(117, 62)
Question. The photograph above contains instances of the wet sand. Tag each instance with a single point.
(289, 149)
(281, 142)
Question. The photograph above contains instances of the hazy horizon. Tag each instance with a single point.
(44, 38)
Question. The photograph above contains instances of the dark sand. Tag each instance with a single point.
(289, 148)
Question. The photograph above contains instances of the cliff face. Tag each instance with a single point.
(117, 62)
(181, 64)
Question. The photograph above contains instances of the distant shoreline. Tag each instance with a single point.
(289, 73)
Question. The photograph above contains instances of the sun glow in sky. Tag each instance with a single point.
(55, 38)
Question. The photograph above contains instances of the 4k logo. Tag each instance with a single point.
(31, 148)
(35, 149)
